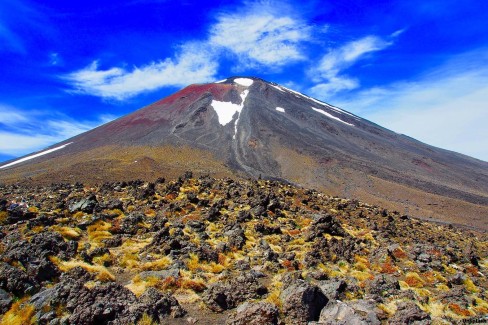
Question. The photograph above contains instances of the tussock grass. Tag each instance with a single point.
(127, 255)
(274, 295)
(413, 280)
(146, 320)
(68, 232)
(156, 265)
(470, 286)
(19, 314)
(99, 231)
(195, 265)
(102, 273)
(138, 285)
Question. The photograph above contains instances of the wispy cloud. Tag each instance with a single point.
(30, 131)
(193, 64)
(261, 36)
(445, 108)
(328, 72)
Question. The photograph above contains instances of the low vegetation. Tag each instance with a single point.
(191, 237)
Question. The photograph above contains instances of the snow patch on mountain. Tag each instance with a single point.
(330, 116)
(35, 155)
(226, 110)
(221, 81)
(244, 81)
(278, 88)
(298, 94)
(280, 109)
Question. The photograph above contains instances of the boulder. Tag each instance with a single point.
(332, 288)
(254, 313)
(5, 301)
(359, 312)
(16, 281)
(383, 286)
(302, 302)
(324, 224)
(85, 205)
(222, 296)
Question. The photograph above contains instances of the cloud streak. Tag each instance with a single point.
(328, 73)
(32, 131)
(258, 38)
(193, 64)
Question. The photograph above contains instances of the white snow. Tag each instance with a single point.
(337, 109)
(279, 88)
(226, 110)
(35, 155)
(221, 81)
(280, 109)
(330, 116)
(243, 97)
(243, 81)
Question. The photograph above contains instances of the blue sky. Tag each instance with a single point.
(416, 67)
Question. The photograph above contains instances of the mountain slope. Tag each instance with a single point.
(251, 128)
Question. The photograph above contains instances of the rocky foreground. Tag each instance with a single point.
(220, 251)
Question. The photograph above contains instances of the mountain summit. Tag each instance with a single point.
(253, 128)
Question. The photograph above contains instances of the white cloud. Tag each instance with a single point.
(11, 115)
(327, 73)
(261, 36)
(345, 56)
(445, 108)
(333, 85)
(31, 131)
(194, 64)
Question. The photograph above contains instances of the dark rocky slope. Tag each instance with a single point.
(213, 251)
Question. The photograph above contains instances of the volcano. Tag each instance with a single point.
(249, 128)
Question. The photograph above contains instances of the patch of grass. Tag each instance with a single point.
(19, 314)
(127, 255)
(399, 253)
(362, 263)
(105, 260)
(156, 265)
(274, 295)
(146, 320)
(434, 308)
(172, 284)
(68, 232)
(138, 285)
(473, 271)
(194, 265)
(390, 308)
(102, 274)
(3, 217)
(413, 280)
(294, 232)
(470, 286)
(361, 275)
(78, 215)
(99, 231)
(33, 210)
(458, 310)
(388, 267)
